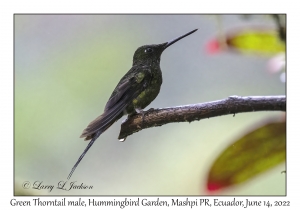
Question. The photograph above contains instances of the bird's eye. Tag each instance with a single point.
(148, 50)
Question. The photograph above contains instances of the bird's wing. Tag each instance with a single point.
(128, 89)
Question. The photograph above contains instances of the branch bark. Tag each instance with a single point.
(192, 112)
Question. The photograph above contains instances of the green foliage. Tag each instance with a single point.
(253, 154)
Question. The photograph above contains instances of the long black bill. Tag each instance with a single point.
(177, 39)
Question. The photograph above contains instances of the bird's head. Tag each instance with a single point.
(151, 53)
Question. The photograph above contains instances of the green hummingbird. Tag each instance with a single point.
(135, 91)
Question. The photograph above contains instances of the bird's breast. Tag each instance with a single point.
(150, 92)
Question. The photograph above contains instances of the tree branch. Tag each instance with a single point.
(192, 112)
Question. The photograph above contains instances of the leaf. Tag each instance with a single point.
(253, 154)
(256, 41)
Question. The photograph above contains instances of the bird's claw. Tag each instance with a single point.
(140, 111)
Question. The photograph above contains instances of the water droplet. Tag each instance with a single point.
(122, 140)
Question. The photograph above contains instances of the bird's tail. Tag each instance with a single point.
(113, 111)
(96, 128)
(97, 134)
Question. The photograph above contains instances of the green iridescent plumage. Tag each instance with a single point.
(135, 91)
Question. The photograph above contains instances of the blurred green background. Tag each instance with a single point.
(66, 67)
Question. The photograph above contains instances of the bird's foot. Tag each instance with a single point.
(140, 111)
(149, 110)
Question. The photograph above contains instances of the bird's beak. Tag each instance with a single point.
(167, 44)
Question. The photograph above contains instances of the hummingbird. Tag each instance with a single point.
(135, 91)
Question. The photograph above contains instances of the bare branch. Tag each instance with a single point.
(192, 112)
